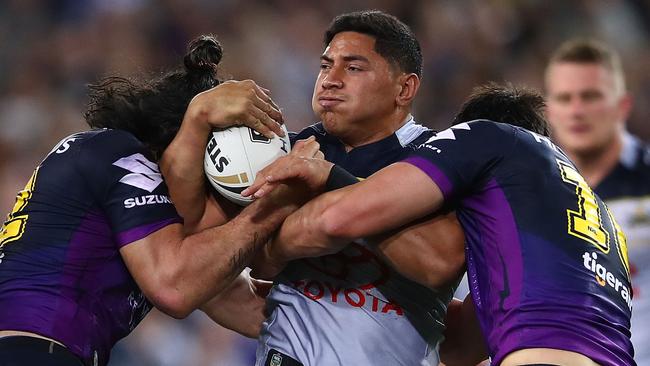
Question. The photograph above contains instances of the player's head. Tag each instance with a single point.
(153, 109)
(369, 72)
(586, 95)
(521, 107)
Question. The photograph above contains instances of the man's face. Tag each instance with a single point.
(356, 87)
(585, 110)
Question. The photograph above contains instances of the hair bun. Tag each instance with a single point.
(204, 54)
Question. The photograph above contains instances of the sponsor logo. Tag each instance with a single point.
(354, 297)
(448, 134)
(64, 145)
(258, 137)
(276, 360)
(606, 278)
(214, 151)
(150, 199)
(144, 173)
(355, 264)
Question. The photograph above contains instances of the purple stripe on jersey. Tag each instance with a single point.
(496, 268)
(137, 233)
(430, 169)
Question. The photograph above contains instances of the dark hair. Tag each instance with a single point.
(590, 51)
(394, 40)
(518, 106)
(153, 110)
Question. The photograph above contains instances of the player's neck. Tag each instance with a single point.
(596, 165)
(378, 131)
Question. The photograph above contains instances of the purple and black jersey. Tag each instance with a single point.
(547, 263)
(61, 273)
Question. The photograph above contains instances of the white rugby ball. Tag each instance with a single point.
(234, 156)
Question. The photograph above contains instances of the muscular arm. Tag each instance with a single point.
(179, 273)
(184, 174)
(430, 251)
(228, 104)
(390, 198)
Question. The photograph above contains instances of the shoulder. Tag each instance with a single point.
(477, 130)
(111, 142)
(635, 154)
(107, 147)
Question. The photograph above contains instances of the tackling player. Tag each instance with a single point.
(547, 262)
(94, 240)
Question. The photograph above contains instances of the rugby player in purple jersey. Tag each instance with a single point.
(94, 241)
(547, 263)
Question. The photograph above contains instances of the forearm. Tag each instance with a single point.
(238, 307)
(303, 234)
(429, 251)
(181, 165)
(331, 220)
(178, 274)
(238, 240)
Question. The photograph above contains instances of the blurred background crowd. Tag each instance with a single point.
(50, 50)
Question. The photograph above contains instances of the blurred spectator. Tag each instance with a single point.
(588, 105)
(52, 48)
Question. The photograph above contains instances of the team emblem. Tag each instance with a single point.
(276, 360)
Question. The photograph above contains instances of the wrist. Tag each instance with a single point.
(339, 178)
(196, 117)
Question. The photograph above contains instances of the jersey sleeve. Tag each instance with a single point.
(127, 185)
(462, 157)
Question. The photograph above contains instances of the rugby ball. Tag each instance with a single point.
(233, 157)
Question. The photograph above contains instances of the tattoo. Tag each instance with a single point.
(244, 256)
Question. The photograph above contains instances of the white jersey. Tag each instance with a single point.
(350, 308)
(626, 190)
(633, 214)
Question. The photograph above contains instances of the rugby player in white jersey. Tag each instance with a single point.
(351, 308)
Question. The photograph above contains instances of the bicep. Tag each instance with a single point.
(145, 258)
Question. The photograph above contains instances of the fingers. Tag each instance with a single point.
(263, 123)
(264, 95)
(266, 180)
(260, 180)
(268, 114)
(307, 148)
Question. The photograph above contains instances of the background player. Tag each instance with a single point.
(588, 105)
(94, 236)
(547, 263)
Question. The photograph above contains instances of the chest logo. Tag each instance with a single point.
(144, 174)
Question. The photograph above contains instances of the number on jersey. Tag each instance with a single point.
(586, 222)
(14, 227)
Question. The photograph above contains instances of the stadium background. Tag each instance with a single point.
(49, 51)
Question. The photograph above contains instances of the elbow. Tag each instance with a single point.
(165, 291)
(336, 224)
(172, 303)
